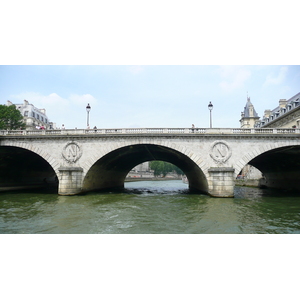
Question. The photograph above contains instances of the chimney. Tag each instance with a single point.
(282, 103)
(267, 113)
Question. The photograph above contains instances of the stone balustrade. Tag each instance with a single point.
(145, 131)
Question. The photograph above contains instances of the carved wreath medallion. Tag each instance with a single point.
(220, 152)
(71, 152)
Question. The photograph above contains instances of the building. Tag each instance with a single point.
(249, 117)
(141, 171)
(286, 115)
(33, 117)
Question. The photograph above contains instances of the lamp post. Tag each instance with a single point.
(210, 107)
(88, 109)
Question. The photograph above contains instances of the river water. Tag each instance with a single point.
(152, 207)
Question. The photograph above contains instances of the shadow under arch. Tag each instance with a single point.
(22, 168)
(110, 171)
(280, 167)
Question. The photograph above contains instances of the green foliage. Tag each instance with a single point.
(10, 118)
(163, 168)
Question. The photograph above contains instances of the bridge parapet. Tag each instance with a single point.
(151, 131)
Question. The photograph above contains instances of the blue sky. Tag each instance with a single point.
(123, 96)
(148, 64)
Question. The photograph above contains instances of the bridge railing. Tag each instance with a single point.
(137, 131)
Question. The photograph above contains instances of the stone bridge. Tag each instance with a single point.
(77, 161)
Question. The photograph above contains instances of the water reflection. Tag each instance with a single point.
(150, 207)
(268, 211)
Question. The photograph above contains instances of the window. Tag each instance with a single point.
(26, 113)
(33, 114)
(37, 116)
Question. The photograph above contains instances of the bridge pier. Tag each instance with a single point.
(70, 180)
(221, 182)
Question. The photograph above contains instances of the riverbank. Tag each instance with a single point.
(247, 182)
(132, 179)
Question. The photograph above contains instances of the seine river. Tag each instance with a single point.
(152, 207)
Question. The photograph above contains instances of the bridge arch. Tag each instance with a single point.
(22, 167)
(110, 170)
(278, 162)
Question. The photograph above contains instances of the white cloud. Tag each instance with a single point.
(135, 69)
(58, 109)
(39, 100)
(233, 77)
(82, 99)
(54, 99)
(271, 79)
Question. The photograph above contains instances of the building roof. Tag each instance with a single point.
(246, 113)
(285, 108)
(295, 98)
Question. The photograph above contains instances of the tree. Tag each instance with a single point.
(163, 168)
(10, 118)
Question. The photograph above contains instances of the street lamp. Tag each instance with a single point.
(210, 107)
(88, 109)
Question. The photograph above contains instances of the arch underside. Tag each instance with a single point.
(280, 167)
(23, 168)
(110, 171)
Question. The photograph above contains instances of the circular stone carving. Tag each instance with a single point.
(220, 152)
(72, 152)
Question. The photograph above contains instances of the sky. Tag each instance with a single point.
(148, 64)
(148, 96)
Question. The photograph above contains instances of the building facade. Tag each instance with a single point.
(34, 118)
(286, 115)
